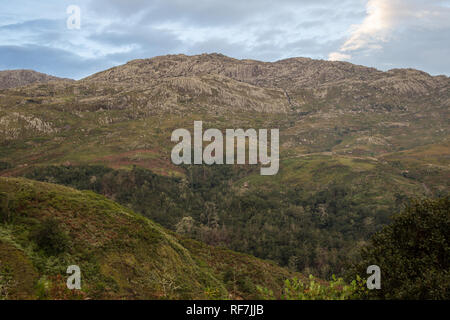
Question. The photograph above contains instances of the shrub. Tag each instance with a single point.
(313, 289)
(50, 238)
(6, 282)
(5, 215)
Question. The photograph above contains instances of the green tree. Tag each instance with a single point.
(51, 238)
(413, 253)
(5, 214)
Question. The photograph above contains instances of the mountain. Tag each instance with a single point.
(44, 228)
(300, 81)
(17, 78)
(356, 144)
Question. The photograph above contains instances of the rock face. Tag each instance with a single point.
(286, 85)
(322, 106)
(17, 78)
(290, 74)
(219, 84)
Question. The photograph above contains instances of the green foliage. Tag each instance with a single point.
(323, 226)
(122, 255)
(5, 214)
(50, 237)
(314, 289)
(212, 293)
(413, 253)
(6, 282)
(5, 165)
(42, 288)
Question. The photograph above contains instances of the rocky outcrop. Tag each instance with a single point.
(18, 78)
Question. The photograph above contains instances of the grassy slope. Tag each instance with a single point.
(121, 254)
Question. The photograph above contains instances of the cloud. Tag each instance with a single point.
(115, 31)
(338, 56)
(385, 18)
(255, 29)
(375, 26)
(413, 47)
(52, 61)
(204, 12)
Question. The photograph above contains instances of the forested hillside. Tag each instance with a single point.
(44, 228)
(356, 144)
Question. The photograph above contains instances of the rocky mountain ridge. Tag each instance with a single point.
(289, 74)
(18, 78)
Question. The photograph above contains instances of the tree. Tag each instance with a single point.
(50, 237)
(5, 214)
(185, 226)
(413, 253)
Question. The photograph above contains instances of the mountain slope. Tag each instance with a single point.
(121, 254)
(291, 75)
(319, 106)
(18, 78)
(355, 144)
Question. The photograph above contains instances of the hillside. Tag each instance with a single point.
(18, 78)
(122, 255)
(356, 144)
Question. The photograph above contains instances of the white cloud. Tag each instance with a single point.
(407, 33)
(385, 17)
(338, 56)
(375, 26)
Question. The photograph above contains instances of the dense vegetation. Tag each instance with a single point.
(311, 233)
(315, 289)
(413, 253)
(44, 228)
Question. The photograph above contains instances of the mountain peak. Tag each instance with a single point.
(17, 78)
(289, 74)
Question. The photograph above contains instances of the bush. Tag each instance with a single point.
(5, 165)
(313, 289)
(50, 238)
(5, 215)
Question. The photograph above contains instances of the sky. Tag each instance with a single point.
(45, 35)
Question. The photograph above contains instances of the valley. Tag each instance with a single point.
(356, 145)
